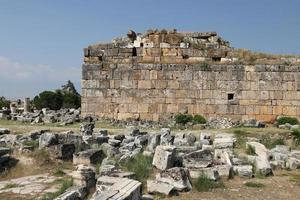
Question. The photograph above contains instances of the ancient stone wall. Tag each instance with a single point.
(159, 74)
(155, 91)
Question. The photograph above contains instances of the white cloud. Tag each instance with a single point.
(22, 79)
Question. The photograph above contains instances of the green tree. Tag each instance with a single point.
(4, 102)
(48, 99)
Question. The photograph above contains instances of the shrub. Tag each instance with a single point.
(270, 142)
(71, 100)
(254, 184)
(141, 165)
(290, 120)
(203, 184)
(183, 119)
(296, 136)
(48, 99)
(199, 119)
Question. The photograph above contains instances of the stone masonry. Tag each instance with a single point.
(156, 75)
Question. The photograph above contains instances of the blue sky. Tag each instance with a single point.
(41, 42)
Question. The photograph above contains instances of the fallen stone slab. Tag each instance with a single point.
(225, 171)
(261, 161)
(154, 186)
(210, 173)
(177, 177)
(153, 142)
(165, 137)
(87, 157)
(74, 193)
(117, 188)
(222, 157)
(164, 157)
(198, 159)
(243, 171)
(223, 143)
(48, 139)
(293, 163)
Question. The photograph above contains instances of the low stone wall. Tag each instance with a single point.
(157, 91)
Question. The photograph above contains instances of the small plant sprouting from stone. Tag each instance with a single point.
(204, 66)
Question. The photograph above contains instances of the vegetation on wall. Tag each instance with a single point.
(186, 118)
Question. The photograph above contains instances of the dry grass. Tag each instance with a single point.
(250, 57)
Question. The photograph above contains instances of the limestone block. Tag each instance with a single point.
(243, 171)
(144, 84)
(198, 159)
(87, 157)
(261, 161)
(159, 187)
(210, 173)
(164, 157)
(177, 177)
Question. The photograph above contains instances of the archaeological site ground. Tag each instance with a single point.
(162, 115)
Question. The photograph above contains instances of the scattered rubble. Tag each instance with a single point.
(177, 159)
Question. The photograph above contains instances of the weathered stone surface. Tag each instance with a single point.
(48, 139)
(84, 176)
(222, 157)
(224, 170)
(261, 161)
(74, 193)
(223, 141)
(210, 173)
(177, 177)
(164, 157)
(87, 157)
(293, 163)
(87, 128)
(153, 142)
(166, 138)
(117, 188)
(65, 151)
(243, 171)
(198, 159)
(159, 187)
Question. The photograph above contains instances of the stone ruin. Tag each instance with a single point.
(177, 159)
(156, 75)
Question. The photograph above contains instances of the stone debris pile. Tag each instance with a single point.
(177, 159)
